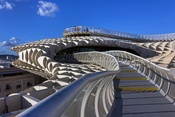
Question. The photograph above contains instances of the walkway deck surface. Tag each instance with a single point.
(137, 97)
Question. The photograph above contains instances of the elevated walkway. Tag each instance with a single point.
(134, 89)
(87, 31)
(137, 97)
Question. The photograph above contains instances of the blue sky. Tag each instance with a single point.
(23, 21)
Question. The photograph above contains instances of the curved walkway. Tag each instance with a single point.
(137, 97)
(81, 30)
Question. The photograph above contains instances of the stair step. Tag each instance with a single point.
(131, 78)
(136, 89)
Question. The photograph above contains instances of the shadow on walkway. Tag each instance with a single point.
(117, 107)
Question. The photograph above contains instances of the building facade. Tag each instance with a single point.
(14, 80)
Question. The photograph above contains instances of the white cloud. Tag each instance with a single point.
(46, 8)
(6, 43)
(13, 42)
(5, 5)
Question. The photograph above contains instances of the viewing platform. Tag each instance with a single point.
(87, 31)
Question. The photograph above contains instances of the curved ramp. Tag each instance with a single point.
(135, 96)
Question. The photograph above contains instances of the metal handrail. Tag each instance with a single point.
(56, 104)
(161, 77)
(100, 58)
(82, 30)
(81, 90)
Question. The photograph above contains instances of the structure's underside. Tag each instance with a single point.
(48, 58)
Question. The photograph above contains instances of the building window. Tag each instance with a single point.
(18, 86)
(8, 87)
(29, 84)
